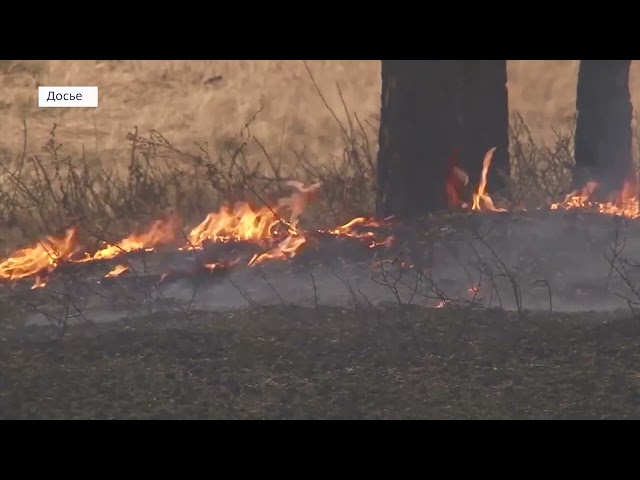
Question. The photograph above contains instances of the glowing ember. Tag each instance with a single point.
(474, 290)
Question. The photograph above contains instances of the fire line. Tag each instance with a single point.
(275, 228)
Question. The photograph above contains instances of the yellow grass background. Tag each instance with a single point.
(173, 97)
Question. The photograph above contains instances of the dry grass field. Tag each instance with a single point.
(208, 101)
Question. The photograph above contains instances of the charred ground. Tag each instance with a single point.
(305, 363)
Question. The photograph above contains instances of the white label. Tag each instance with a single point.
(82, 97)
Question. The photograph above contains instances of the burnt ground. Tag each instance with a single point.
(319, 337)
(328, 363)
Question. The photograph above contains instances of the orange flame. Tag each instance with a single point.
(281, 238)
(481, 199)
(243, 222)
(623, 203)
(117, 270)
(287, 248)
(161, 232)
(240, 222)
(44, 256)
(348, 230)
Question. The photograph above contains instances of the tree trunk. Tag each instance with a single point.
(430, 108)
(485, 121)
(418, 129)
(603, 128)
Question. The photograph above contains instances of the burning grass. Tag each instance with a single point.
(266, 226)
(89, 199)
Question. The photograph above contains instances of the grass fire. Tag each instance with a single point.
(275, 227)
(273, 245)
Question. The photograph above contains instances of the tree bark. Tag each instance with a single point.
(485, 121)
(429, 109)
(418, 129)
(603, 128)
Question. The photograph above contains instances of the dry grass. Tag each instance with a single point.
(175, 98)
(172, 97)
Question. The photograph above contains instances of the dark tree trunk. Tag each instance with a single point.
(485, 121)
(418, 129)
(429, 109)
(603, 128)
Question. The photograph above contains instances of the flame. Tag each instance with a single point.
(244, 222)
(160, 232)
(481, 199)
(266, 225)
(275, 228)
(287, 248)
(117, 270)
(349, 230)
(239, 222)
(624, 203)
(43, 256)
